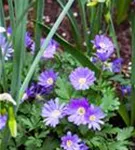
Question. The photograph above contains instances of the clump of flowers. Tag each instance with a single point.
(104, 47)
(82, 78)
(3, 120)
(52, 112)
(46, 81)
(76, 110)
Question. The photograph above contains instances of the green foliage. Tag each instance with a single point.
(105, 139)
(109, 102)
(64, 89)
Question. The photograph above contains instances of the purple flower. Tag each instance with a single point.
(6, 47)
(70, 142)
(47, 78)
(49, 51)
(83, 147)
(126, 89)
(76, 110)
(27, 39)
(82, 78)
(116, 65)
(36, 91)
(94, 116)
(104, 47)
(3, 120)
(52, 112)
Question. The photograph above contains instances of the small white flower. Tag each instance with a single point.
(7, 97)
(2, 29)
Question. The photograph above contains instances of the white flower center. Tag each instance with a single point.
(55, 113)
(92, 118)
(82, 81)
(102, 45)
(50, 81)
(81, 111)
(69, 143)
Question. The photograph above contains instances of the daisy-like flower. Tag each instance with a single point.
(83, 146)
(94, 116)
(126, 89)
(76, 110)
(27, 39)
(47, 78)
(116, 65)
(82, 78)
(52, 112)
(49, 51)
(36, 91)
(3, 120)
(104, 47)
(70, 142)
(6, 47)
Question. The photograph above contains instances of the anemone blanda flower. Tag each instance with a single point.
(27, 39)
(83, 146)
(70, 142)
(49, 51)
(93, 116)
(52, 112)
(36, 91)
(6, 47)
(116, 65)
(82, 78)
(76, 111)
(47, 78)
(3, 120)
(126, 89)
(104, 47)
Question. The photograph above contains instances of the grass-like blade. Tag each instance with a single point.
(39, 15)
(133, 70)
(19, 46)
(75, 28)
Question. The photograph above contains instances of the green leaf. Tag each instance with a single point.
(133, 69)
(64, 89)
(109, 102)
(122, 9)
(125, 133)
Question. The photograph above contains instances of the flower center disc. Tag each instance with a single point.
(81, 111)
(55, 113)
(92, 118)
(82, 81)
(69, 143)
(50, 81)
